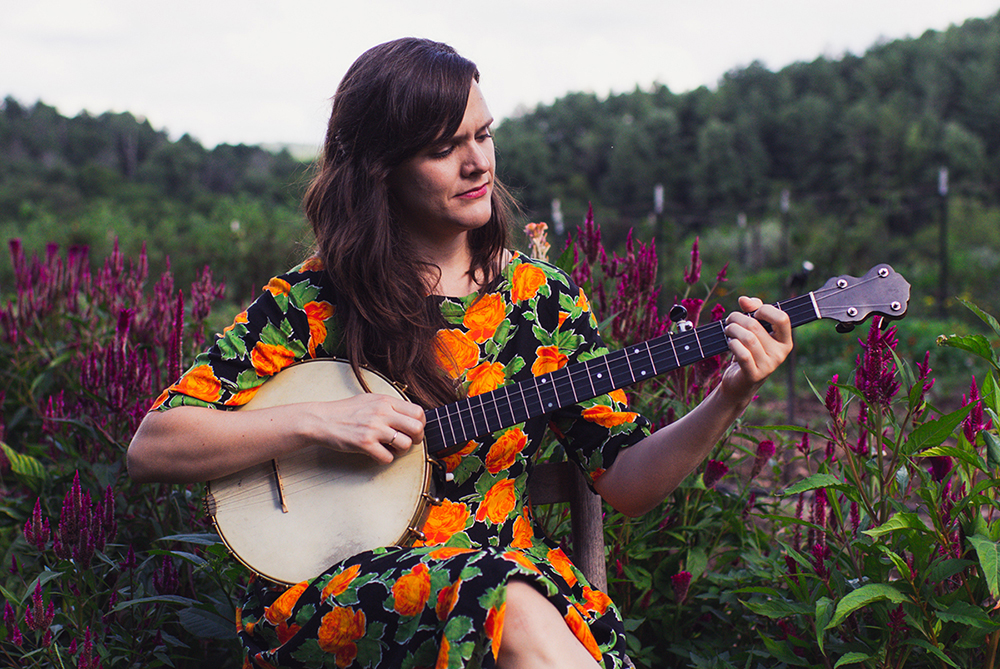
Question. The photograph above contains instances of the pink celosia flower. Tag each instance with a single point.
(681, 581)
(714, 471)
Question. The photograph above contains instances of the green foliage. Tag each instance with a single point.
(872, 540)
(100, 571)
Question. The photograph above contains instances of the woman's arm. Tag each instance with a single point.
(187, 444)
(644, 474)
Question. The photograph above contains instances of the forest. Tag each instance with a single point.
(838, 161)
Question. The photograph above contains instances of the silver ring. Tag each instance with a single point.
(393, 440)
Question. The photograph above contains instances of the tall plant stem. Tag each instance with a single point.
(994, 639)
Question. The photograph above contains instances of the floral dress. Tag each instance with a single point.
(439, 603)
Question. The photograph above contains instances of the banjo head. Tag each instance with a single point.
(338, 504)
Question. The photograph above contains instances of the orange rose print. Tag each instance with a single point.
(444, 520)
(449, 551)
(597, 601)
(455, 352)
(525, 283)
(619, 396)
(443, 654)
(583, 633)
(269, 359)
(412, 590)
(523, 534)
(447, 599)
(317, 314)
(485, 377)
(548, 359)
(242, 397)
(278, 286)
(483, 317)
(563, 315)
(339, 583)
(494, 626)
(338, 631)
(498, 502)
(562, 565)
(283, 605)
(583, 302)
(313, 264)
(505, 449)
(240, 318)
(519, 558)
(161, 399)
(201, 383)
(608, 417)
(286, 631)
(452, 461)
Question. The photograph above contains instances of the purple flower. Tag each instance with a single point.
(939, 467)
(765, 451)
(38, 617)
(803, 446)
(37, 530)
(875, 373)
(834, 402)
(714, 471)
(973, 423)
(692, 275)
(681, 581)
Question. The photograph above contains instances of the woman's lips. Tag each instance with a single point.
(475, 192)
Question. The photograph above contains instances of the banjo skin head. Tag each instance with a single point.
(336, 504)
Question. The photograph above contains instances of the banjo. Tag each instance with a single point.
(331, 505)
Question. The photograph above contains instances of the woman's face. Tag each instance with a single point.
(446, 189)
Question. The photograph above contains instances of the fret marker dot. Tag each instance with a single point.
(687, 348)
(600, 376)
(545, 380)
(635, 350)
(644, 372)
(550, 405)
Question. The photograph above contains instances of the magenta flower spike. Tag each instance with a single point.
(714, 471)
(765, 451)
(37, 530)
(875, 374)
(681, 582)
(39, 617)
(693, 274)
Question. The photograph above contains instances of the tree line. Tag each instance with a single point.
(830, 160)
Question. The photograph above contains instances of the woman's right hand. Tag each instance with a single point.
(188, 444)
(379, 426)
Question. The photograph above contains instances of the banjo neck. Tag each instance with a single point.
(846, 299)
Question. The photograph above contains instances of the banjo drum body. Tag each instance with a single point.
(290, 519)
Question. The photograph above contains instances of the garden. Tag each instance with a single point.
(866, 534)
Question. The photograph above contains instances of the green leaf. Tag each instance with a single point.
(989, 561)
(976, 344)
(160, 599)
(201, 538)
(813, 482)
(970, 458)
(863, 596)
(776, 609)
(901, 521)
(985, 317)
(24, 466)
(934, 650)
(897, 561)
(967, 614)
(990, 393)
(824, 613)
(934, 432)
(206, 624)
(852, 658)
(992, 449)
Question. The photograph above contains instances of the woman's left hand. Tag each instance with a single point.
(756, 352)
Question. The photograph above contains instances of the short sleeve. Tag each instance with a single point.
(292, 320)
(593, 431)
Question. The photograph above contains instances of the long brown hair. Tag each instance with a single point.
(395, 100)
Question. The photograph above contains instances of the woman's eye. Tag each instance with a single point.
(443, 153)
(485, 136)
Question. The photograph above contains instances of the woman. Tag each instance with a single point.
(412, 276)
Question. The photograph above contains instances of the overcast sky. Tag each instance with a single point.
(257, 71)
